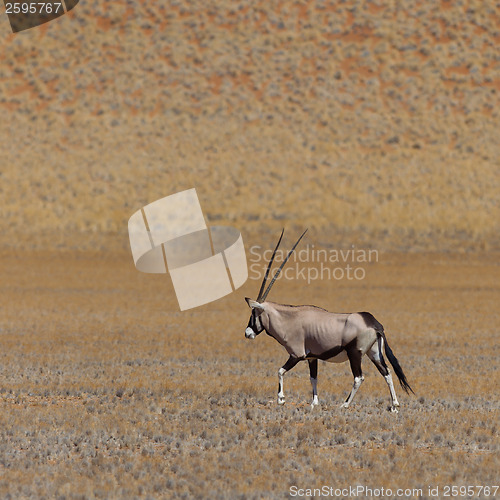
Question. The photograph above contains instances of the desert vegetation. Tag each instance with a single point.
(373, 121)
(107, 391)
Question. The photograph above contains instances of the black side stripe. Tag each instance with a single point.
(331, 353)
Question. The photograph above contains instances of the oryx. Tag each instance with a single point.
(311, 333)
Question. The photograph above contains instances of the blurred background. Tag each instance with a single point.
(372, 123)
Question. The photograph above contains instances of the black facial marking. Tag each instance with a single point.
(255, 323)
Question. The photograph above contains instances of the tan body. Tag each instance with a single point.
(311, 333)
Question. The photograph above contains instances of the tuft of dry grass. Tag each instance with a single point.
(107, 391)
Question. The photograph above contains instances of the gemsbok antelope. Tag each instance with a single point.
(311, 333)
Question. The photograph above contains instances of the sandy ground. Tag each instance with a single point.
(108, 391)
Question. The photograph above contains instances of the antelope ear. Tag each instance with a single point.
(254, 304)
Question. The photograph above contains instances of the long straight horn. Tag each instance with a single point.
(281, 267)
(269, 268)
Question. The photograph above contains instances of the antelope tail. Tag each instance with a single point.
(395, 363)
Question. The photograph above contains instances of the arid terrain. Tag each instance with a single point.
(376, 122)
(372, 123)
(107, 391)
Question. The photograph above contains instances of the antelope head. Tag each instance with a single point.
(255, 324)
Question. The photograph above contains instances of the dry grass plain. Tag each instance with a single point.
(107, 391)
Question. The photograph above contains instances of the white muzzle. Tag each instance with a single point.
(249, 333)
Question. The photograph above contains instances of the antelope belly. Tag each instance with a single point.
(339, 358)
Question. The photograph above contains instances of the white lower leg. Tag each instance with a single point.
(281, 394)
(395, 404)
(357, 384)
(314, 383)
